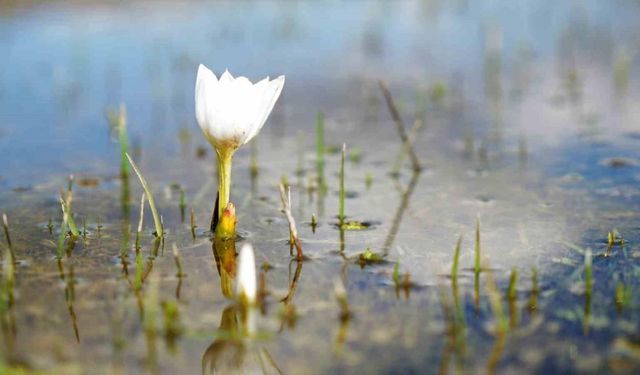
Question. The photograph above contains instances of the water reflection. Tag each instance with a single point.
(234, 352)
(70, 295)
(224, 252)
(289, 315)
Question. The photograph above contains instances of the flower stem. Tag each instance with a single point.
(224, 182)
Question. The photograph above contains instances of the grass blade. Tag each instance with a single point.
(152, 204)
(456, 259)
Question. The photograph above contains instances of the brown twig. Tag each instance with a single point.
(293, 233)
(395, 115)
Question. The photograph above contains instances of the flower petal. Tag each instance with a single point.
(206, 83)
(269, 95)
(226, 77)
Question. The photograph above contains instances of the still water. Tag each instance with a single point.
(526, 122)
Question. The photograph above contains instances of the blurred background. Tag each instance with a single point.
(67, 62)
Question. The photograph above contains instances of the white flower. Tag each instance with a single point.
(231, 111)
(246, 287)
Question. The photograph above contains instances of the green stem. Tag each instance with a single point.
(341, 213)
(477, 263)
(224, 181)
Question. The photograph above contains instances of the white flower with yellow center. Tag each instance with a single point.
(231, 111)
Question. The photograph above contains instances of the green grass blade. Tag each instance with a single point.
(147, 190)
(456, 259)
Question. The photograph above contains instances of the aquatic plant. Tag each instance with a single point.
(456, 260)
(66, 206)
(341, 212)
(293, 232)
(320, 151)
(368, 256)
(50, 225)
(230, 112)
(512, 293)
(140, 223)
(193, 224)
(476, 267)
(123, 141)
(63, 230)
(314, 222)
(182, 205)
(152, 204)
(7, 280)
(5, 227)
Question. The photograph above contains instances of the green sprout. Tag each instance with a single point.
(341, 213)
(456, 259)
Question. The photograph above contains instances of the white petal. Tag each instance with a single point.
(205, 84)
(226, 77)
(247, 274)
(269, 95)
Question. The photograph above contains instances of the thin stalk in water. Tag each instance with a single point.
(182, 205)
(5, 226)
(285, 196)
(122, 139)
(193, 224)
(320, 151)
(152, 204)
(513, 279)
(63, 230)
(535, 290)
(341, 213)
(456, 259)
(140, 222)
(477, 263)
(512, 295)
(67, 206)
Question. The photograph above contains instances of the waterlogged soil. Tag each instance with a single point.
(529, 129)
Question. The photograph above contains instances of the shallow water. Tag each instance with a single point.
(529, 126)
